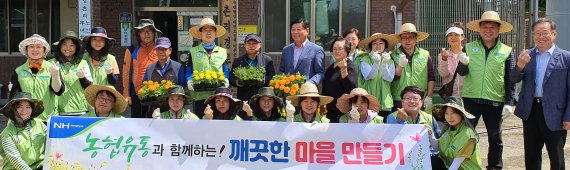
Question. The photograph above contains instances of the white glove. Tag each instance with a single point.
(290, 110)
(208, 113)
(508, 110)
(226, 83)
(463, 58)
(375, 57)
(427, 102)
(190, 85)
(80, 73)
(354, 115)
(187, 117)
(386, 56)
(403, 61)
(54, 70)
(108, 69)
(156, 113)
(432, 140)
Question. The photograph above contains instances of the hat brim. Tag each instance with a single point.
(195, 30)
(438, 111)
(505, 26)
(86, 39)
(37, 110)
(148, 25)
(324, 100)
(391, 41)
(420, 36)
(343, 103)
(29, 41)
(164, 99)
(68, 37)
(212, 97)
(255, 98)
(120, 104)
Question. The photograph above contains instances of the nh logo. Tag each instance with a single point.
(61, 125)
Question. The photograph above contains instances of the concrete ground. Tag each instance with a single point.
(513, 154)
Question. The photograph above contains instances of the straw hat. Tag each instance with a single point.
(263, 92)
(364, 43)
(409, 27)
(309, 90)
(222, 91)
(91, 95)
(176, 90)
(490, 16)
(147, 23)
(343, 103)
(38, 105)
(195, 30)
(438, 110)
(34, 39)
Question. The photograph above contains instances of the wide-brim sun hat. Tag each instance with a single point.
(438, 110)
(493, 17)
(309, 90)
(97, 32)
(34, 39)
(176, 90)
(343, 103)
(364, 44)
(120, 104)
(195, 30)
(9, 112)
(222, 91)
(411, 28)
(147, 23)
(266, 92)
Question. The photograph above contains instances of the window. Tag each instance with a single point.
(22, 18)
(328, 18)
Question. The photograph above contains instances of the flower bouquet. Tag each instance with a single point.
(207, 80)
(151, 90)
(287, 85)
(250, 76)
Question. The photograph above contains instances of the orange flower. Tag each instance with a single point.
(145, 82)
(277, 86)
(270, 82)
(163, 81)
(286, 89)
(291, 78)
(287, 81)
(295, 86)
(293, 92)
(298, 77)
(284, 82)
(282, 88)
(140, 91)
(167, 86)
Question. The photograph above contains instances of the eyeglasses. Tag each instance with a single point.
(106, 100)
(410, 99)
(412, 38)
(542, 34)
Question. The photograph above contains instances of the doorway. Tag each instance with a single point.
(166, 22)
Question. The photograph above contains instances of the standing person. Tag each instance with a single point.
(459, 143)
(23, 140)
(75, 72)
(164, 68)
(544, 100)
(359, 107)
(448, 59)
(340, 78)
(376, 69)
(175, 99)
(302, 55)
(309, 101)
(107, 102)
(252, 58)
(352, 35)
(415, 67)
(137, 58)
(266, 106)
(487, 89)
(102, 65)
(39, 77)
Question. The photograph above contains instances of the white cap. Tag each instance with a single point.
(456, 30)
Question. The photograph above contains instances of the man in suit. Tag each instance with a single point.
(302, 55)
(544, 101)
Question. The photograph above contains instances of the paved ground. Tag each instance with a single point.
(513, 155)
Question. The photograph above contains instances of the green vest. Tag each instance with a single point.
(72, 100)
(424, 118)
(111, 115)
(486, 78)
(99, 75)
(184, 115)
(376, 86)
(451, 142)
(318, 118)
(39, 86)
(30, 145)
(376, 120)
(201, 61)
(416, 75)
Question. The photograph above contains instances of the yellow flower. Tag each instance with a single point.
(195, 71)
(295, 86)
(291, 78)
(202, 75)
(220, 73)
(163, 81)
(270, 82)
(167, 86)
(141, 91)
(298, 77)
(208, 77)
(286, 89)
(215, 76)
(145, 82)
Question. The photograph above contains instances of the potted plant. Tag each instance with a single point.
(250, 76)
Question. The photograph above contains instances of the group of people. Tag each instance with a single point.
(365, 82)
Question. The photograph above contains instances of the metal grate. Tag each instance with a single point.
(435, 16)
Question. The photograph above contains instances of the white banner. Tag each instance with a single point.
(84, 9)
(95, 143)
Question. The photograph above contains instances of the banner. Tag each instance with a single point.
(95, 143)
